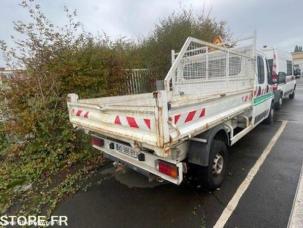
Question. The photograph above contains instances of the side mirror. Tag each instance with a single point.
(281, 77)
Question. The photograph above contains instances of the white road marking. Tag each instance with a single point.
(296, 216)
(232, 204)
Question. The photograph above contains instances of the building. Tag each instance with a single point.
(298, 60)
(5, 73)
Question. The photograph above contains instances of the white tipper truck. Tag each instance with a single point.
(212, 97)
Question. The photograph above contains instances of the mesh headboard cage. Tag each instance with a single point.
(202, 68)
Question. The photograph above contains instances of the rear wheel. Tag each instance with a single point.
(292, 95)
(278, 105)
(270, 118)
(213, 176)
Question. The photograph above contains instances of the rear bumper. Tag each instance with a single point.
(148, 166)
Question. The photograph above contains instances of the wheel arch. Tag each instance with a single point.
(198, 152)
(223, 136)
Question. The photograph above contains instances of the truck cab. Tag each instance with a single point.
(280, 64)
(263, 92)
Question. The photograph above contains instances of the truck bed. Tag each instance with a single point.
(153, 120)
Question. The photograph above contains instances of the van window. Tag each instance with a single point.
(260, 65)
(270, 65)
(269, 71)
(289, 67)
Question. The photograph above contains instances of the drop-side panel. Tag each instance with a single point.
(188, 119)
(130, 118)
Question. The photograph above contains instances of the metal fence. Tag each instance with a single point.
(139, 81)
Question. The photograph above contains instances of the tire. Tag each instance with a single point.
(292, 95)
(270, 119)
(278, 104)
(213, 176)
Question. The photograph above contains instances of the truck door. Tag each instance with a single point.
(262, 93)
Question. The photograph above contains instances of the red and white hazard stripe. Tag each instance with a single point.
(80, 113)
(248, 97)
(134, 122)
(258, 91)
(187, 117)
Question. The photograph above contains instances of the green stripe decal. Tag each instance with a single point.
(263, 98)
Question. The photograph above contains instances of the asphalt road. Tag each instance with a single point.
(127, 200)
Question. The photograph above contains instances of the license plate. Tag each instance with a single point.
(126, 150)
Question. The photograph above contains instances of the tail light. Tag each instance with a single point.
(274, 81)
(168, 169)
(97, 141)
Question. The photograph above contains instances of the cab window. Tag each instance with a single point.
(270, 63)
(260, 65)
(269, 71)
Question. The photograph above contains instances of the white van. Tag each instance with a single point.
(280, 65)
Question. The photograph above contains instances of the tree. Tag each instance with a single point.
(298, 48)
(172, 32)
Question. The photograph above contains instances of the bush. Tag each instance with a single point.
(3, 139)
(57, 61)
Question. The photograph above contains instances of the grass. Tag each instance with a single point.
(36, 187)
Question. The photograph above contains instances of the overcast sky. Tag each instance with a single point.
(278, 22)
